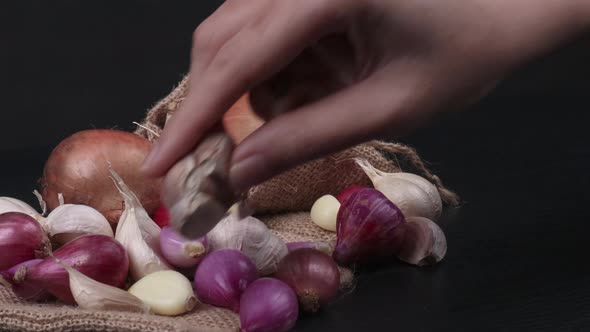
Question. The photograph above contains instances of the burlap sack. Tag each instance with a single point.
(288, 197)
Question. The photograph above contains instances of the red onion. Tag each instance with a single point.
(180, 251)
(268, 304)
(27, 290)
(222, 277)
(78, 169)
(344, 194)
(313, 276)
(21, 239)
(368, 228)
(99, 257)
(317, 245)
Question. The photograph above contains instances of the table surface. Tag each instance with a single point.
(517, 259)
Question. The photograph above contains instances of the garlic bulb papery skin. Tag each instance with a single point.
(91, 294)
(413, 194)
(251, 237)
(9, 204)
(138, 234)
(69, 221)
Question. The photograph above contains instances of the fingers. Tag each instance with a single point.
(373, 108)
(272, 36)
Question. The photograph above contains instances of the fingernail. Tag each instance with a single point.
(248, 172)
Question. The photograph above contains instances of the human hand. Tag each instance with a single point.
(333, 73)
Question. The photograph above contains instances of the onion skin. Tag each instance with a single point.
(267, 305)
(344, 194)
(222, 277)
(21, 239)
(240, 120)
(313, 275)
(78, 168)
(368, 228)
(27, 290)
(99, 257)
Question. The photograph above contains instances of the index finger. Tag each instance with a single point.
(273, 37)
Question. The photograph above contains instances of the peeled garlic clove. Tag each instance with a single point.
(167, 293)
(196, 190)
(91, 294)
(69, 221)
(324, 212)
(424, 242)
(414, 195)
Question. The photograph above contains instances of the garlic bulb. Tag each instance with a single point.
(413, 194)
(251, 237)
(139, 234)
(91, 294)
(69, 221)
(9, 204)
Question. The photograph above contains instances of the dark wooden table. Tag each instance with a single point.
(520, 159)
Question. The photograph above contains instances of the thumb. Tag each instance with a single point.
(351, 116)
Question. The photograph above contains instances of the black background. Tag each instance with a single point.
(520, 158)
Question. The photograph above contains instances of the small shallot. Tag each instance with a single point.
(424, 242)
(28, 291)
(94, 295)
(413, 194)
(368, 228)
(253, 238)
(268, 304)
(313, 275)
(167, 293)
(99, 257)
(180, 251)
(21, 239)
(222, 277)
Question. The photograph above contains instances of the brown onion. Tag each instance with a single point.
(78, 169)
(240, 120)
(313, 275)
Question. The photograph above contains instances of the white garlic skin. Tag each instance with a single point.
(413, 194)
(252, 238)
(411, 199)
(424, 242)
(166, 293)
(91, 294)
(324, 212)
(69, 221)
(9, 204)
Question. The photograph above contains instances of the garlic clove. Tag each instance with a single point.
(138, 234)
(324, 212)
(9, 204)
(424, 242)
(414, 195)
(167, 293)
(251, 237)
(91, 294)
(69, 221)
